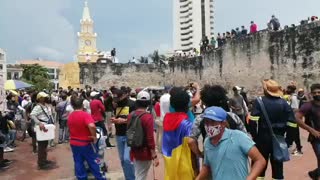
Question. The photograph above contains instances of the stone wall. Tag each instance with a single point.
(287, 55)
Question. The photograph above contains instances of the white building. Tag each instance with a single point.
(3, 64)
(53, 68)
(3, 77)
(192, 20)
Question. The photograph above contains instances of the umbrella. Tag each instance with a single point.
(15, 84)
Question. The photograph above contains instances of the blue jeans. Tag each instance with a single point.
(11, 136)
(86, 153)
(124, 155)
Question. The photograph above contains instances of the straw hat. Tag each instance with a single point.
(42, 95)
(272, 88)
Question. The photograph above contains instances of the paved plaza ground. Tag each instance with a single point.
(25, 167)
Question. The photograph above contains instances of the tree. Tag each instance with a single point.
(37, 76)
(157, 58)
(143, 59)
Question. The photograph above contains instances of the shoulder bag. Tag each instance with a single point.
(279, 145)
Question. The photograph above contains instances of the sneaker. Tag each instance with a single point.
(51, 162)
(13, 145)
(6, 161)
(8, 149)
(297, 153)
(46, 167)
(313, 174)
(4, 166)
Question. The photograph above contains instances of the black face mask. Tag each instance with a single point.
(116, 99)
(316, 98)
(123, 102)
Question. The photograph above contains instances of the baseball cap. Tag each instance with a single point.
(42, 95)
(215, 113)
(143, 96)
(94, 93)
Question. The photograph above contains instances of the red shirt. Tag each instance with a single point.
(144, 153)
(97, 108)
(253, 28)
(157, 109)
(78, 122)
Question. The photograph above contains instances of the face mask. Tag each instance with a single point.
(316, 98)
(213, 131)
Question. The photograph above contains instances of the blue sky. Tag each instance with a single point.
(47, 28)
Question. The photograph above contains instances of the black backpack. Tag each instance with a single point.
(135, 133)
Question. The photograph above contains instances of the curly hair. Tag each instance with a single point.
(214, 95)
(314, 87)
(179, 99)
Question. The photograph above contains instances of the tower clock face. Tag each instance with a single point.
(88, 42)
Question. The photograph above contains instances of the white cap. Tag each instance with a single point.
(143, 96)
(94, 93)
(238, 88)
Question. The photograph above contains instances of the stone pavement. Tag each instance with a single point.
(25, 167)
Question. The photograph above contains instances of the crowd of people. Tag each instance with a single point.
(234, 136)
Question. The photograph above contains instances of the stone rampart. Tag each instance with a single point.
(292, 54)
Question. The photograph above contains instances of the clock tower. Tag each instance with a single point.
(87, 38)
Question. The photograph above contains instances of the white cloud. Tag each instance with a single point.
(37, 28)
(48, 53)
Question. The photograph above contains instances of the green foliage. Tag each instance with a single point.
(156, 57)
(37, 76)
(143, 59)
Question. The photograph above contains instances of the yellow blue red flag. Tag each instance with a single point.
(177, 154)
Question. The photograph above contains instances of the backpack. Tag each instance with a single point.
(276, 23)
(135, 133)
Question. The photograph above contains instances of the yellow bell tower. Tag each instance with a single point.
(87, 50)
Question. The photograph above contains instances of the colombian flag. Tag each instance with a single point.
(175, 149)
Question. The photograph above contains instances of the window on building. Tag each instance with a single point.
(16, 75)
(51, 76)
(9, 76)
(1, 57)
(51, 70)
(1, 66)
(203, 18)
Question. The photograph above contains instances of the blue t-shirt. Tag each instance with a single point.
(229, 159)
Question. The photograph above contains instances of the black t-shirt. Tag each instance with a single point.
(311, 111)
(108, 104)
(122, 112)
(113, 53)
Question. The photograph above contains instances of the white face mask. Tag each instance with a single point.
(213, 131)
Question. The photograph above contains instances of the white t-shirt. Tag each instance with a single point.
(294, 102)
(164, 105)
(24, 103)
(69, 108)
(86, 106)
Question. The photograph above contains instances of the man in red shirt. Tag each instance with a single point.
(97, 108)
(142, 156)
(82, 136)
(97, 112)
(253, 28)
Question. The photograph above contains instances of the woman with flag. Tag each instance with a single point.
(176, 129)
